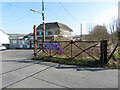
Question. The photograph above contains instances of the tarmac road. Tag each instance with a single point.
(19, 71)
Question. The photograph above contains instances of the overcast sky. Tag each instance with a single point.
(17, 18)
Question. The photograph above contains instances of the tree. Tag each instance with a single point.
(115, 30)
(99, 33)
(118, 29)
(90, 27)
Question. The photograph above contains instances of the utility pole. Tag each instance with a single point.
(81, 32)
(43, 17)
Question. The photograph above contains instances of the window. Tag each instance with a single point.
(37, 33)
(49, 33)
(41, 33)
(14, 41)
(46, 33)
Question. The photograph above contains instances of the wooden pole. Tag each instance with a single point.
(103, 51)
(71, 49)
(43, 17)
(30, 44)
(35, 43)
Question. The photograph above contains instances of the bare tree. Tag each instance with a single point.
(90, 27)
(114, 30)
(112, 26)
(118, 29)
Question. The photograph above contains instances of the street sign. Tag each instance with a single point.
(51, 46)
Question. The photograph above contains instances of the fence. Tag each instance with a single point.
(95, 50)
(92, 50)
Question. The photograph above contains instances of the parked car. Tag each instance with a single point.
(2, 47)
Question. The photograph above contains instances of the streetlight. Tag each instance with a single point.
(43, 18)
(35, 11)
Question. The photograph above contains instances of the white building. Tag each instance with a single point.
(4, 38)
(20, 42)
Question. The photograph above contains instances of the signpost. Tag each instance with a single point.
(51, 46)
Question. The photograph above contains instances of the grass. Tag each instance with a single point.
(115, 61)
(80, 62)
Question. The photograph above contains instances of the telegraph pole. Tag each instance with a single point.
(81, 32)
(43, 17)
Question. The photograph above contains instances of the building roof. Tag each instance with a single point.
(54, 25)
(16, 38)
(30, 34)
(3, 31)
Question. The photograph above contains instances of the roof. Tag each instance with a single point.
(3, 32)
(54, 25)
(30, 34)
(16, 38)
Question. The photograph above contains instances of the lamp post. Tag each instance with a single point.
(43, 18)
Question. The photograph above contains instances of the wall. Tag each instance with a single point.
(56, 35)
(14, 44)
(48, 37)
(3, 38)
(66, 34)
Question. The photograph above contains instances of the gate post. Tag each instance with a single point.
(71, 42)
(30, 44)
(103, 51)
(35, 44)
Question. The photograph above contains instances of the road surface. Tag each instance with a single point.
(19, 71)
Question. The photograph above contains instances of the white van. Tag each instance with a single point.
(2, 47)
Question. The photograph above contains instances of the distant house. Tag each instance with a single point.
(4, 39)
(29, 41)
(16, 42)
(20, 42)
(54, 32)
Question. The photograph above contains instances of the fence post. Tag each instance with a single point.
(30, 44)
(71, 49)
(35, 43)
(103, 51)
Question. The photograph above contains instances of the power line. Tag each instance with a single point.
(59, 17)
(56, 14)
(20, 18)
(68, 12)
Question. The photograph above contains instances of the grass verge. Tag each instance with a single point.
(82, 62)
